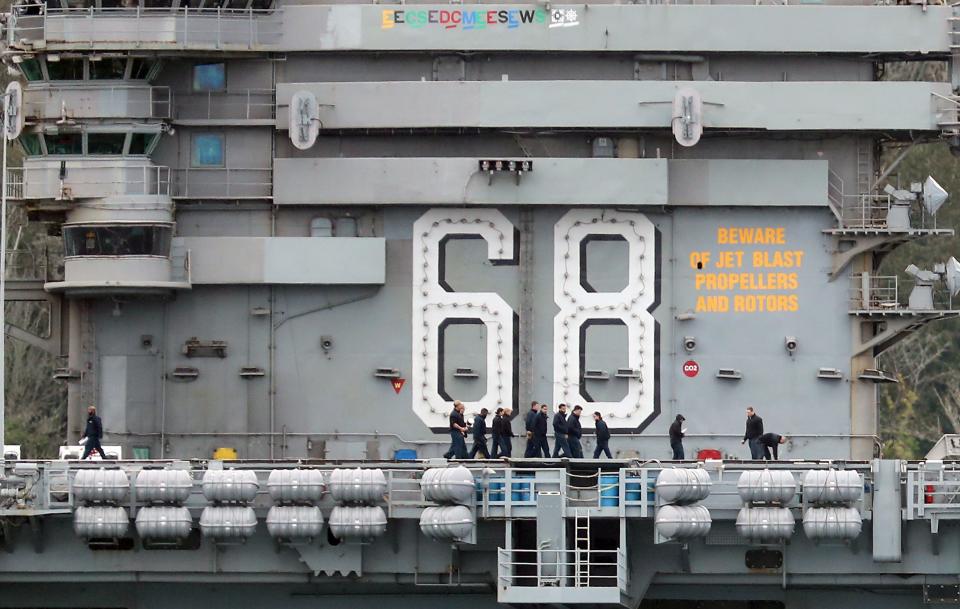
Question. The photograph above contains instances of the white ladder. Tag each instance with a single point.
(581, 524)
(864, 167)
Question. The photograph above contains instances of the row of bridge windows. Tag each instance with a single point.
(94, 143)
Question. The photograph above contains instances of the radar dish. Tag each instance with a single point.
(13, 110)
(953, 276)
(934, 196)
(687, 121)
(304, 119)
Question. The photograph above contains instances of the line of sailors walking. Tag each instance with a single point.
(568, 431)
(566, 428)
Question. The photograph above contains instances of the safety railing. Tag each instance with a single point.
(71, 181)
(223, 183)
(870, 211)
(835, 192)
(14, 183)
(880, 293)
(930, 492)
(562, 568)
(241, 104)
(864, 211)
(628, 488)
(94, 101)
(186, 27)
(403, 490)
(947, 108)
(874, 292)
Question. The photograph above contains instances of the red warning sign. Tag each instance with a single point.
(691, 368)
(397, 384)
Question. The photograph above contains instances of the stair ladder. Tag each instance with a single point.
(581, 523)
(864, 168)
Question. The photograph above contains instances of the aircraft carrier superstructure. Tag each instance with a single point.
(301, 230)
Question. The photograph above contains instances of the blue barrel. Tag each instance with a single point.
(479, 487)
(497, 494)
(634, 489)
(405, 454)
(520, 490)
(609, 490)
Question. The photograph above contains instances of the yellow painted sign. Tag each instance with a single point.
(758, 275)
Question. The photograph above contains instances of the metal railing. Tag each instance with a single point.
(879, 293)
(243, 104)
(178, 27)
(874, 292)
(870, 211)
(947, 108)
(14, 183)
(45, 182)
(930, 492)
(864, 211)
(835, 192)
(558, 568)
(223, 183)
(91, 101)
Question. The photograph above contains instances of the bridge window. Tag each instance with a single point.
(141, 68)
(31, 69)
(64, 143)
(345, 227)
(105, 143)
(142, 143)
(321, 227)
(207, 150)
(210, 77)
(65, 69)
(117, 240)
(108, 68)
(30, 142)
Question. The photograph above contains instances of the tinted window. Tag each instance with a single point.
(65, 69)
(108, 68)
(64, 143)
(141, 68)
(30, 143)
(141, 143)
(105, 143)
(31, 69)
(120, 240)
(345, 227)
(209, 77)
(208, 150)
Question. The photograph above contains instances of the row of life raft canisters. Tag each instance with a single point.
(830, 496)
(293, 517)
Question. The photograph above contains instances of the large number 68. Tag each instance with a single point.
(434, 303)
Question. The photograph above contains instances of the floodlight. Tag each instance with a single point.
(687, 120)
(304, 123)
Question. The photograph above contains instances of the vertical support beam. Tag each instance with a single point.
(75, 387)
(887, 519)
(863, 396)
(527, 311)
(3, 279)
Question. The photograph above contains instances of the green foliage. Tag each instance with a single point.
(926, 403)
(35, 405)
